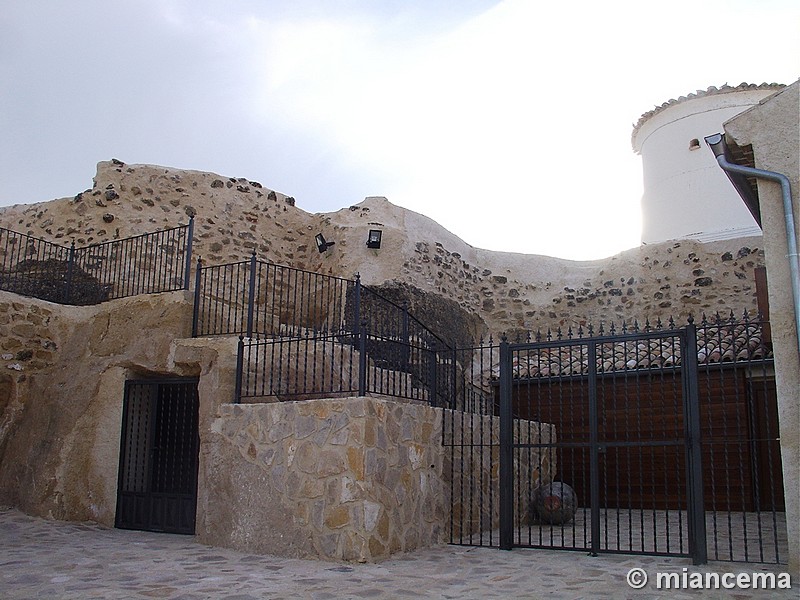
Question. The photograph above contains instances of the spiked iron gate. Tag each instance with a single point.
(643, 493)
(157, 486)
(664, 456)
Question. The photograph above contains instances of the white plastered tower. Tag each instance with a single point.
(686, 194)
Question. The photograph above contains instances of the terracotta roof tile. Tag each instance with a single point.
(718, 343)
(725, 89)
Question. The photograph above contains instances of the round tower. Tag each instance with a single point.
(686, 194)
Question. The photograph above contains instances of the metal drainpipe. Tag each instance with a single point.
(717, 144)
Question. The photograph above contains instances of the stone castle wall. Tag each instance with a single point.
(62, 369)
(495, 291)
(677, 279)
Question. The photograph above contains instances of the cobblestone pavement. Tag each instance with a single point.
(55, 560)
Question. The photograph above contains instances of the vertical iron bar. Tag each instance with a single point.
(112, 265)
(251, 295)
(594, 449)
(362, 357)
(432, 374)
(452, 389)
(506, 449)
(188, 258)
(404, 340)
(70, 263)
(135, 276)
(196, 311)
(259, 312)
(237, 396)
(357, 307)
(696, 519)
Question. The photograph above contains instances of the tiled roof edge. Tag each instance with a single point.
(711, 91)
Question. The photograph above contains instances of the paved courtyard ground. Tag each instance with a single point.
(57, 560)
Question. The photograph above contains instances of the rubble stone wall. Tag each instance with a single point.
(675, 279)
(497, 291)
(353, 479)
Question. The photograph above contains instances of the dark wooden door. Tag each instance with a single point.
(766, 465)
(157, 486)
(739, 432)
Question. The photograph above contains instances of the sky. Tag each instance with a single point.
(508, 122)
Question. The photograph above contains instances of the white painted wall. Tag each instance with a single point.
(686, 194)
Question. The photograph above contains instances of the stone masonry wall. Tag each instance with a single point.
(676, 279)
(353, 479)
(497, 291)
(349, 479)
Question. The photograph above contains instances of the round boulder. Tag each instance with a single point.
(555, 503)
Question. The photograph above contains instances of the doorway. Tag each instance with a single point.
(157, 486)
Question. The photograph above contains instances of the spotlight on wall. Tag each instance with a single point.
(322, 245)
(374, 238)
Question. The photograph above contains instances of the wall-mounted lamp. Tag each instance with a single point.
(374, 238)
(322, 245)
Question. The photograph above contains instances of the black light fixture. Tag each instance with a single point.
(322, 245)
(374, 238)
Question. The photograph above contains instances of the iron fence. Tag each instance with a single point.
(404, 358)
(304, 334)
(378, 347)
(651, 440)
(260, 299)
(33, 267)
(656, 439)
(618, 479)
(296, 368)
(743, 481)
(330, 364)
(145, 264)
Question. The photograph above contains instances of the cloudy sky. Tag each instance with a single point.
(507, 121)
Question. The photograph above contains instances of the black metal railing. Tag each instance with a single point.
(329, 364)
(668, 437)
(304, 334)
(260, 299)
(742, 471)
(404, 357)
(296, 368)
(31, 266)
(378, 346)
(150, 263)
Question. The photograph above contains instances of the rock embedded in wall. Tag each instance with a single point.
(27, 343)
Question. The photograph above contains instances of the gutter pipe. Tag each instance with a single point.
(717, 144)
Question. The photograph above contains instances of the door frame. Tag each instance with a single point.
(169, 506)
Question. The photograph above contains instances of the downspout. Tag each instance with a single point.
(717, 144)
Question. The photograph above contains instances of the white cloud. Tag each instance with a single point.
(513, 129)
(510, 126)
(479, 120)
